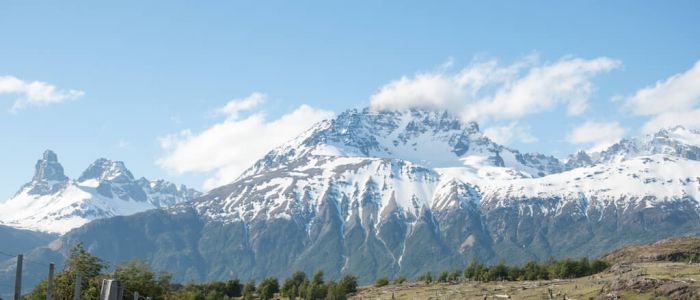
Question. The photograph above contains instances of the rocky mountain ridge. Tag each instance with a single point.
(401, 193)
(52, 202)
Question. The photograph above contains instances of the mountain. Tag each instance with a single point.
(51, 202)
(676, 141)
(19, 240)
(404, 192)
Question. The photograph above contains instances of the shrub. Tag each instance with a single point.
(399, 280)
(382, 281)
(443, 276)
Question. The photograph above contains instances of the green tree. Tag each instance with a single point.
(598, 266)
(137, 276)
(497, 272)
(79, 260)
(454, 276)
(443, 277)
(316, 289)
(583, 268)
(249, 290)
(334, 292)
(399, 280)
(347, 284)
(267, 288)
(514, 272)
(292, 286)
(232, 288)
(470, 270)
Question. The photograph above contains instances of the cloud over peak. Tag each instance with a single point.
(485, 90)
(669, 102)
(598, 135)
(229, 147)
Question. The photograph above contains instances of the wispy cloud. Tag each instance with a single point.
(35, 93)
(229, 147)
(509, 133)
(669, 102)
(485, 90)
(597, 135)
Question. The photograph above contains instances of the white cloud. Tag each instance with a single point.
(689, 118)
(233, 107)
(486, 91)
(230, 147)
(35, 93)
(670, 102)
(506, 134)
(599, 135)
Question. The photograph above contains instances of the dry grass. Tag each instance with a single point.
(581, 288)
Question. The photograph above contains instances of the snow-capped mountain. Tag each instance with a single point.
(404, 192)
(52, 202)
(394, 178)
(677, 141)
(407, 159)
(431, 139)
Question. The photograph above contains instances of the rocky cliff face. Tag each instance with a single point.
(401, 193)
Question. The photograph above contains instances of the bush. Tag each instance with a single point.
(399, 280)
(348, 284)
(454, 276)
(427, 278)
(443, 276)
(382, 281)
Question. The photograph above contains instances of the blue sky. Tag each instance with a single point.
(145, 82)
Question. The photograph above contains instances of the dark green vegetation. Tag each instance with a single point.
(667, 269)
(137, 276)
(551, 269)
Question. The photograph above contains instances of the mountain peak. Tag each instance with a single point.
(430, 138)
(49, 155)
(48, 168)
(109, 170)
(676, 141)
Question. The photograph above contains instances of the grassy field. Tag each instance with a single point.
(657, 280)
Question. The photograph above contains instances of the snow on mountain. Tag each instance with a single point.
(429, 138)
(402, 193)
(647, 180)
(405, 161)
(52, 202)
(677, 141)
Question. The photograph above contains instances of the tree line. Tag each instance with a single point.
(137, 276)
(566, 268)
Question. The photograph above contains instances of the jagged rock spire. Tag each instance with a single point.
(48, 168)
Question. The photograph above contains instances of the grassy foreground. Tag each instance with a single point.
(643, 280)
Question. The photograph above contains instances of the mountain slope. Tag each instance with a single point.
(53, 203)
(401, 193)
(18, 240)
